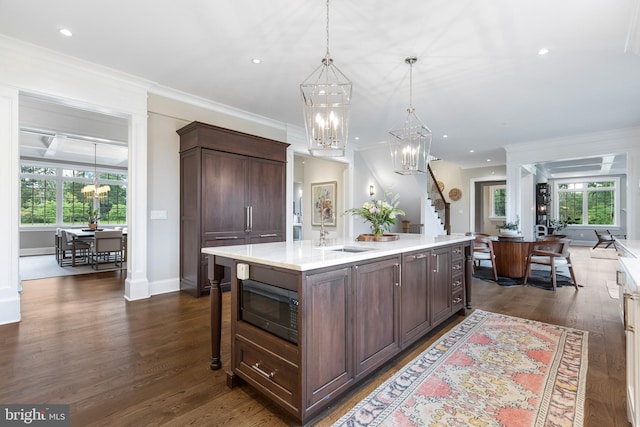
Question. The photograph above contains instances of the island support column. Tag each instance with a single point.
(468, 273)
(215, 274)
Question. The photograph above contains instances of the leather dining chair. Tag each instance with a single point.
(483, 251)
(552, 253)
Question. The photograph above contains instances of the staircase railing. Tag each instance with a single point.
(440, 204)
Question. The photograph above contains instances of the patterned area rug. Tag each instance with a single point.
(490, 370)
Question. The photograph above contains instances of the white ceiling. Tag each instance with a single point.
(478, 78)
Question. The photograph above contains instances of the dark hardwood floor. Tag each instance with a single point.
(145, 363)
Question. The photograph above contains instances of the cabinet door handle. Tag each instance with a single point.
(398, 272)
(250, 217)
(620, 278)
(226, 238)
(420, 256)
(247, 209)
(457, 300)
(437, 263)
(625, 309)
(269, 235)
(266, 374)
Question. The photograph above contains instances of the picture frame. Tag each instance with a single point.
(326, 191)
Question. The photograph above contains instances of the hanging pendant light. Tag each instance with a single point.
(410, 144)
(95, 191)
(326, 94)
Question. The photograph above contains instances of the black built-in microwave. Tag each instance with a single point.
(270, 307)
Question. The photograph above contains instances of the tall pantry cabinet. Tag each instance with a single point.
(232, 192)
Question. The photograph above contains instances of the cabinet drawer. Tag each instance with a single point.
(457, 300)
(265, 370)
(456, 266)
(457, 284)
(456, 252)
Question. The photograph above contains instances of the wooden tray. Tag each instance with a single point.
(374, 238)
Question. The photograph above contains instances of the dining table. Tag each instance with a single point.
(511, 255)
(86, 234)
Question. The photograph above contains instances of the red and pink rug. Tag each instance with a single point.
(490, 370)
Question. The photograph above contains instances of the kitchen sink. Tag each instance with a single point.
(349, 249)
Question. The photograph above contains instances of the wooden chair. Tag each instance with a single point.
(106, 243)
(604, 238)
(483, 251)
(613, 237)
(553, 253)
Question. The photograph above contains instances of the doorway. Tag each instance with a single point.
(63, 150)
(484, 217)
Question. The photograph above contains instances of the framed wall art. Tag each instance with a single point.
(323, 202)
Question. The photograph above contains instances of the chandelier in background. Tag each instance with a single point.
(95, 190)
(326, 94)
(411, 143)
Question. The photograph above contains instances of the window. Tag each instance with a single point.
(589, 201)
(498, 201)
(52, 196)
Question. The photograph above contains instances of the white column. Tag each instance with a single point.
(9, 206)
(137, 282)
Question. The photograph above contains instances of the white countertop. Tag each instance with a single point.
(632, 265)
(305, 255)
(631, 246)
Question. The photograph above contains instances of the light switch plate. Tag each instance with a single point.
(242, 271)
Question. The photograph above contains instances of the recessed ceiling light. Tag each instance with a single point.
(472, 151)
(357, 138)
(256, 60)
(66, 32)
(543, 51)
(445, 136)
(488, 160)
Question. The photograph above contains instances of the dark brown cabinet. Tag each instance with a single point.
(447, 290)
(376, 308)
(329, 337)
(415, 317)
(232, 192)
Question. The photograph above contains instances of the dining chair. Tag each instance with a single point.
(68, 243)
(552, 253)
(483, 251)
(105, 243)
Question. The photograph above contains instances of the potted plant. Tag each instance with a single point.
(379, 213)
(557, 225)
(510, 229)
(94, 215)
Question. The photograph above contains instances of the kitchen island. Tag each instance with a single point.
(309, 322)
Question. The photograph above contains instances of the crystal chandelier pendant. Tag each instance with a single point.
(410, 144)
(326, 95)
